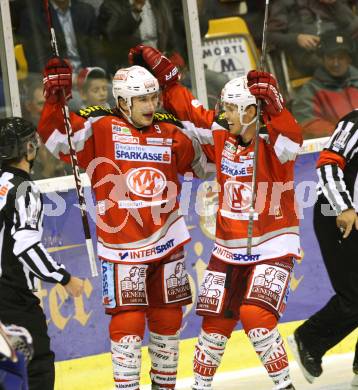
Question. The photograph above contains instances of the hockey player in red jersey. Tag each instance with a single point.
(252, 287)
(133, 158)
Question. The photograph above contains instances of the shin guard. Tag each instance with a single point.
(126, 360)
(163, 351)
(269, 347)
(208, 353)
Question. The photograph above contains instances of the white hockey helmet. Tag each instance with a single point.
(237, 92)
(133, 81)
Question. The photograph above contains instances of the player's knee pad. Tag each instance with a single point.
(126, 360)
(164, 320)
(253, 316)
(208, 354)
(269, 346)
(127, 323)
(163, 351)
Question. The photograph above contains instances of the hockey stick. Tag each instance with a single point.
(250, 227)
(73, 155)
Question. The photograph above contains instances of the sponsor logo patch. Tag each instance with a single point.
(121, 130)
(108, 295)
(121, 75)
(140, 253)
(4, 189)
(230, 147)
(177, 287)
(159, 141)
(269, 284)
(159, 154)
(132, 284)
(226, 254)
(232, 168)
(211, 293)
(125, 139)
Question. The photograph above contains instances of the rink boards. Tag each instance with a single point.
(79, 327)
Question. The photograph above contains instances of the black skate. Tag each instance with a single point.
(354, 382)
(310, 366)
(290, 387)
(355, 360)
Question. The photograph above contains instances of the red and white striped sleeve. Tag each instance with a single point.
(196, 120)
(52, 131)
(285, 135)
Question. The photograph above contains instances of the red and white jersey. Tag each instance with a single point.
(134, 175)
(276, 227)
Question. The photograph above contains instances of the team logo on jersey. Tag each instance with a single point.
(147, 182)
(237, 195)
(125, 139)
(121, 130)
(159, 154)
(211, 292)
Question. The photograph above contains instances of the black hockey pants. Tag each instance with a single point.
(17, 308)
(339, 316)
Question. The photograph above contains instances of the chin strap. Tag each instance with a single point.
(127, 117)
(245, 125)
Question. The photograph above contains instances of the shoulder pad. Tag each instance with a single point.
(95, 111)
(169, 118)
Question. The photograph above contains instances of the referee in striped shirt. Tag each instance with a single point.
(336, 227)
(23, 258)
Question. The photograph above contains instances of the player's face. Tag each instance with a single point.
(233, 118)
(337, 63)
(143, 109)
(97, 93)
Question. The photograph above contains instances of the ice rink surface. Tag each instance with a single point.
(337, 375)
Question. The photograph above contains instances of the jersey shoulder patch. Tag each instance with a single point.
(93, 111)
(168, 118)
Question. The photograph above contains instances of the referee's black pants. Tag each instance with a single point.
(21, 309)
(339, 316)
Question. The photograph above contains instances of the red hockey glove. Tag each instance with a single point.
(152, 59)
(263, 86)
(57, 80)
